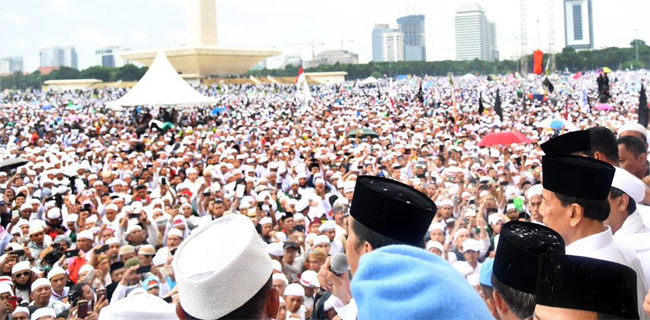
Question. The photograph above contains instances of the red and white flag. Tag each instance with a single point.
(302, 89)
(301, 77)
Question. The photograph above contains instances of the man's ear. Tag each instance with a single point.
(500, 305)
(576, 214)
(367, 247)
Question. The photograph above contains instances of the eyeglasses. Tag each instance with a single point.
(22, 274)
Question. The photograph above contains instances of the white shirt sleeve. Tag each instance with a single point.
(346, 312)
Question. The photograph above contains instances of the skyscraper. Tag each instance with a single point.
(58, 57)
(11, 65)
(392, 46)
(475, 35)
(578, 26)
(414, 40)
(377, 42)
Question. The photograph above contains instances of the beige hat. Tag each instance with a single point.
(147, 250)
(126, 249)
(223, 261)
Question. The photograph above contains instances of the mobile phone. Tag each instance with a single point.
(87, 207)
(82, 309)
(14, 214)
(143, 269)
(71, 253)
(19, 253)
(239, 192)
(173, 251)
(134, 216)
(101, 249)
(168, 299)
(101, 293)
(163, 181)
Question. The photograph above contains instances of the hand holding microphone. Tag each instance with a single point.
(334, 277)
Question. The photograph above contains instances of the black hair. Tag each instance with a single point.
(632, 144)
(615, 193)
(252, 309)
(603, 140)
(593, 209)
(375, 239)
(522, 304)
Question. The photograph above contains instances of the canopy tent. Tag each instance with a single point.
(369, 80)
(161, 85)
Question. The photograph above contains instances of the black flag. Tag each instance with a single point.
(480, 104)
(523, 100)
(643, 108)
(497, 106)
(547, 83)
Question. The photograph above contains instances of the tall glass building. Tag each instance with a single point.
(412, 27)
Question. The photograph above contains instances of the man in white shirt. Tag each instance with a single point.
(574, 204)
(624, 219)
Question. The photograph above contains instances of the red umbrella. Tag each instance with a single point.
(605, 107)
(503, 138)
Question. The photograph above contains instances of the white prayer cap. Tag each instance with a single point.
(494, 218)
(56, 270)
(86, 234)
(302, 205)
(266, 220)
(20, 310)
(34, 229)
(298, 216)
(281, 276)
(25, 206)
(434, 244)
(294, 290)
(535, 190)
(277, 266)
(446, 202)
(112, 241)
(43, 312)
(54, 213)
(139, 306)
(275, 249)
(327, 226)
(175, 232)
(232, 273)
(132, 228)
(6, 288)
(470, 244)
(40, 282)
(20, 266)
(633, 126)
(630, 184)
(309, 279)
(437, 226)
(321, 240)
(112, 207)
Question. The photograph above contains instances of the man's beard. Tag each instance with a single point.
(25, 286)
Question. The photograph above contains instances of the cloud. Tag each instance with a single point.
(15, 19)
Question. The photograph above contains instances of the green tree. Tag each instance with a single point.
(96, 72)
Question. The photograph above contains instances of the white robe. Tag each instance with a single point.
(636, 235)
(603, 246)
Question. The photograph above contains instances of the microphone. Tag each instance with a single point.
(339, 264)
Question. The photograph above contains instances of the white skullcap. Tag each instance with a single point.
(630, 184)
(446, 202)
(111, 206)
(302, 205)
(33, 229)
(348, 186)
(20, 266)
(86, 234)
(6, 288)
(470, 213)
(633, 126)
(232, 273)
(277, 266)
(494, 218)
(280, 276)
(40, 282)
(309, 279)
(139, 306)
(327, 226)
(112, 241)
(437, 226)
(470, 244)
(54, 213)
(56, 270)
(298, 217)
(322, 239)
(132, 228)
(20, 310)
(275, 249)
(435, 244)
(25, 206)
(175, 232)
(535, 190)
(510, 206)
(72, 217)
(86, 268)
(43, 312)
(266, 220)
(294, 290)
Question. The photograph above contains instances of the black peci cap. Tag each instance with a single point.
(576, 176)
(392, 209)
(568, 143)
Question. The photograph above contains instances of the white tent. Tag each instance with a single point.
(161, 85)
(369, 80)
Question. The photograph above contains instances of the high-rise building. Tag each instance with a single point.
(108, 57)
(58, 57)
(494, 52)
(329, 57)
(414, 41)
(473, 39)
(10, 65)
(393, 46)
(578, 26)
(377, 42)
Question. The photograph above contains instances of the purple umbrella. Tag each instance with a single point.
(605, 107)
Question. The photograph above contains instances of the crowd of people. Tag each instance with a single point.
(210, 212)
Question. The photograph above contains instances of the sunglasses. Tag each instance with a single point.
(22, 274)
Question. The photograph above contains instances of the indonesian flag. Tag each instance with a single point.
(301, 77)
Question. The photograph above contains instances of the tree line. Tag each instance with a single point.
(569, 60)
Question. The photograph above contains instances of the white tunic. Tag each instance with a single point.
(603, 246)
(636, 235)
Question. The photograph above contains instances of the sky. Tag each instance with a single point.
(292, 25)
